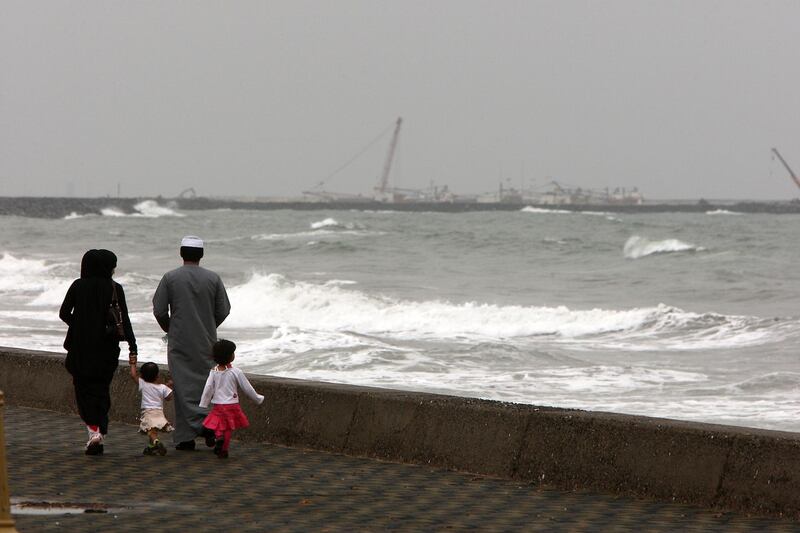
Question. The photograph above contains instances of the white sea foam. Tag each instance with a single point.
(672, 329)
(26, 275)
(722, 212)
(52, 294)
(112, 212)
(320, 229)
(10, 265)
(152, 209)
(274, 301)
(607, 378)
(544, 211)
(144, 209)
(75, 215)
(637, 247)
(324, 345)
(540, 210)
(318, 233)
(284, 236)
(333, 224)
(30, 316)
(327, 223)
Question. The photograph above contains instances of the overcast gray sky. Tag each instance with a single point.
(683, 99)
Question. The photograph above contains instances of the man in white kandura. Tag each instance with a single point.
(189, 304)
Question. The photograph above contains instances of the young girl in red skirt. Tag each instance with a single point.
(222, 389)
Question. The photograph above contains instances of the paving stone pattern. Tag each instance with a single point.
(271, 488)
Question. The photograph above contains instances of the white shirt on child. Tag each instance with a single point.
(221, 387)
(153, 394)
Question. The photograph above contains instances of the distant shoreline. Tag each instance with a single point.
(54, 207)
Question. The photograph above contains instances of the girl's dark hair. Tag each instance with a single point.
(149, 372)
(223, 351)
(190, 253)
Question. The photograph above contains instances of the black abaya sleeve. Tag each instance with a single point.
(65, 313)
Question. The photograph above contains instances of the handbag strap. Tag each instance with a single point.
(114, 299)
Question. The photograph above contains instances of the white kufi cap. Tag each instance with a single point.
(192, 241)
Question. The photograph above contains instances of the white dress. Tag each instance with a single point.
(152, 417)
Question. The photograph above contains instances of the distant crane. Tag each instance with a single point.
(188, 193)
(786, 165)
(382, 190)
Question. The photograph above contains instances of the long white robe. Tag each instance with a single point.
(191, 302)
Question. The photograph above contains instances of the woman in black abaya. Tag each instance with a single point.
(92, 343)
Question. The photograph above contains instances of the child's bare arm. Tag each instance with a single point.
(134, 374)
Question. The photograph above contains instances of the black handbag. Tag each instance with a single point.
(114, 327)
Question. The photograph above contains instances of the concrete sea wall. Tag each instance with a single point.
(746, 470)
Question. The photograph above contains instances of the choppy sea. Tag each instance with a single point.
(689, 316)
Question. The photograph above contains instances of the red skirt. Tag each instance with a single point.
(225, 417)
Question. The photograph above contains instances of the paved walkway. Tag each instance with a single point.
(271, 488)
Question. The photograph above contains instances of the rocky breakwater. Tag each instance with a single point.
(62, 207)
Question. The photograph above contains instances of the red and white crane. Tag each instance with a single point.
(382, 192)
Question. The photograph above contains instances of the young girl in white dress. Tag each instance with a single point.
(222, 389)
(152, 419)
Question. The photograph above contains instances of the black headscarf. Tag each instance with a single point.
(98, 264)
(89, 264)
(93, 294)
(108, 262)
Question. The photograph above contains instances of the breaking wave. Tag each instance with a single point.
(144, 209)
(530, 209)
(722, 212)
(327, 223)
(544, 211)
(22, 274)
(637, 247)
(275, 301)
(25, 276)
(152, 209)
(328, 227)
(333, 224)
(73, 215)
(320, 233)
